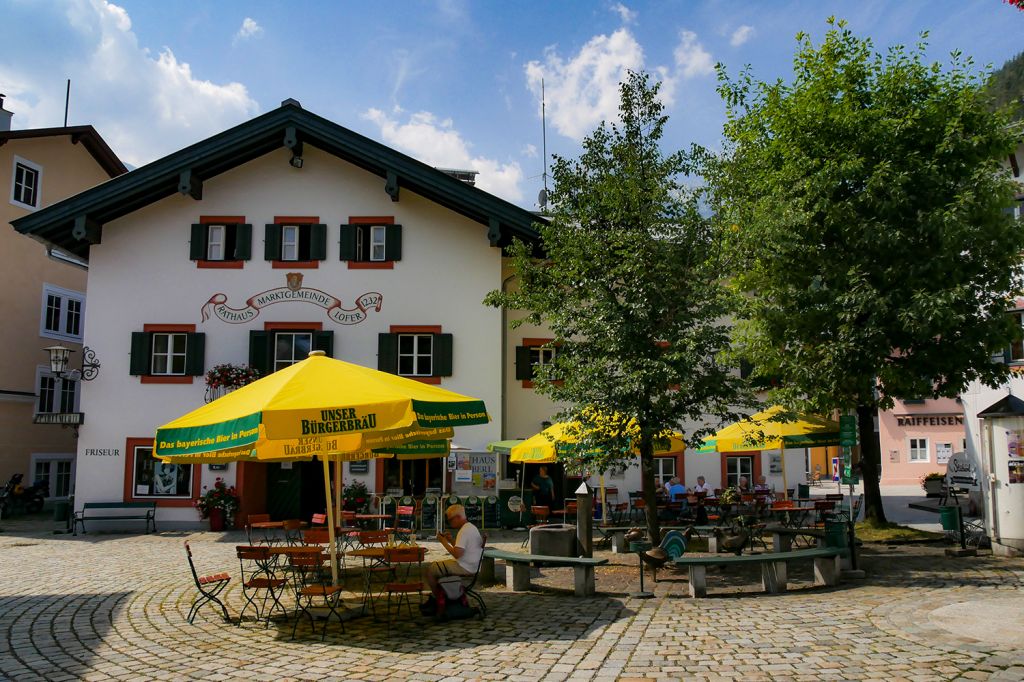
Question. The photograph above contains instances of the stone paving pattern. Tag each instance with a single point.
(113, 607)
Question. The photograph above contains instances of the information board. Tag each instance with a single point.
(492, 512)
(428, 515)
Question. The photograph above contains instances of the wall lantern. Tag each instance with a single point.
(60, 360)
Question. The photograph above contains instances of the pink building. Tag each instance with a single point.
(918, 437)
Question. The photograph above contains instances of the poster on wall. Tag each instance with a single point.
(463, 468)
(775, 464)
(835, 469)
(943, 451)
(1013, 443)
(1016, 470)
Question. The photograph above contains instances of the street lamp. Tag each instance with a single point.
(60, 359)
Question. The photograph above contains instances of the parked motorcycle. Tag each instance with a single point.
(15, 496)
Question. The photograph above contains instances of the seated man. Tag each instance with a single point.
(468, 547)
(762, 487)
(702, 488)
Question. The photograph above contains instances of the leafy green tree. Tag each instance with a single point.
(862, 208)
(627, 281)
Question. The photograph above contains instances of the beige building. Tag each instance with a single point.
(42, 295)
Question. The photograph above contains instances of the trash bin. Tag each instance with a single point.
(61, 511)
(835, 534)
(949, 517)
(803, 490)
(556, 539)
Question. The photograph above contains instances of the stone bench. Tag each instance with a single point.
(617, 534)
(517, 575)
(773, 567)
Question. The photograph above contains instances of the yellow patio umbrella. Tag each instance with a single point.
(543, 448)
(766, 431)
(317, 407)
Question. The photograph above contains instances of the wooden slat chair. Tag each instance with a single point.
(255, 518)
(375, 571)
(312, 583)
(822, 510)
(320, 539)
(318, 520)
(256, 565)
(209, 587)
(292, 532)
(540, 515)
(405, 524)
(402, 590)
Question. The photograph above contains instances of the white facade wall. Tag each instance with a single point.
(141, 274)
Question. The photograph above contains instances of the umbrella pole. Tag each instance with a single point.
(337, 488)
(330, 523)
(604, 503)
(782, 458)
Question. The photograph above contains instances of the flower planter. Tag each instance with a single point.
(933, 488)
(216, 519)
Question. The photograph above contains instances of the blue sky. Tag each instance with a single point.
(452, 83)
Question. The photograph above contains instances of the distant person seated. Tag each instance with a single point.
(762, 487)
(744, 485)
(667, 485)
(676, 491)
(702, 488)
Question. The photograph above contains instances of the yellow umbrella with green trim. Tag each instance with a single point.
(317, 407)
(767, 431)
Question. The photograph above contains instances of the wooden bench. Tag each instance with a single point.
(143, 511)
(517, 577)
(773, 567)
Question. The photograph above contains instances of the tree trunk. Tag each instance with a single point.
(647, 481)
(870, 464)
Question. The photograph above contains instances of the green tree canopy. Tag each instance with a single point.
(862, 205)
(630, 287)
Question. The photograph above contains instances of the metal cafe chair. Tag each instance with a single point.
(312, 583)
(401, 590)
(540, 516)
(256, 518)
(257, 569)
(209, 587)
(292, 532)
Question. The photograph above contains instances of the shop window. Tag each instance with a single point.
(25, 185)
(147, 478)
(62, 314)
(282, 344)
(163, 353)
(221, 242)
(370, 242)
(918, 449)
(532, 354)
(295, 242)
(417, 352)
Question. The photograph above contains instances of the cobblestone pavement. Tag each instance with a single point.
(106, 607)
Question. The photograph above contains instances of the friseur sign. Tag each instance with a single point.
(930, 420)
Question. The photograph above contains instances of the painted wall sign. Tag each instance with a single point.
(930, 420)
(217, 306)
(102, 452)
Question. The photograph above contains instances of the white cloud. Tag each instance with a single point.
(627, 15)
(144, 105)
(248, 29)
(529, 151)
(692, 59)
(583, 90)
(436, 142)
(741, 35)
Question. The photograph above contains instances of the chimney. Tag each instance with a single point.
(5, 116)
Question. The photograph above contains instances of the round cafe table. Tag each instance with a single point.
(380, 518)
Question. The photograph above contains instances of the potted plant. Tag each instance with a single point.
(354, 496)
(222, 379)
(932, 484)
(218, 504)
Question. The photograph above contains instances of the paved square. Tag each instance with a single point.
(105, 607)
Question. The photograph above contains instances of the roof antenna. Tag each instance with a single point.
(67, 101)
(542, 198)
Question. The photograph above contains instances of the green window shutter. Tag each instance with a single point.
(387, 353)
(141, 357)
(393, 242)
(272, 242)
(195, 354)
(259, 351)
(243, 242)
(197, 245)
(524, 368)
(318, 242)
(442, 355)
(324, 341)
(347, 243)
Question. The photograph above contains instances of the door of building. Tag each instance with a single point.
(413, 476)
(295, 490)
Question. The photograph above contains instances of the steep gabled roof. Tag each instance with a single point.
(86, 135)
(76, 222)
